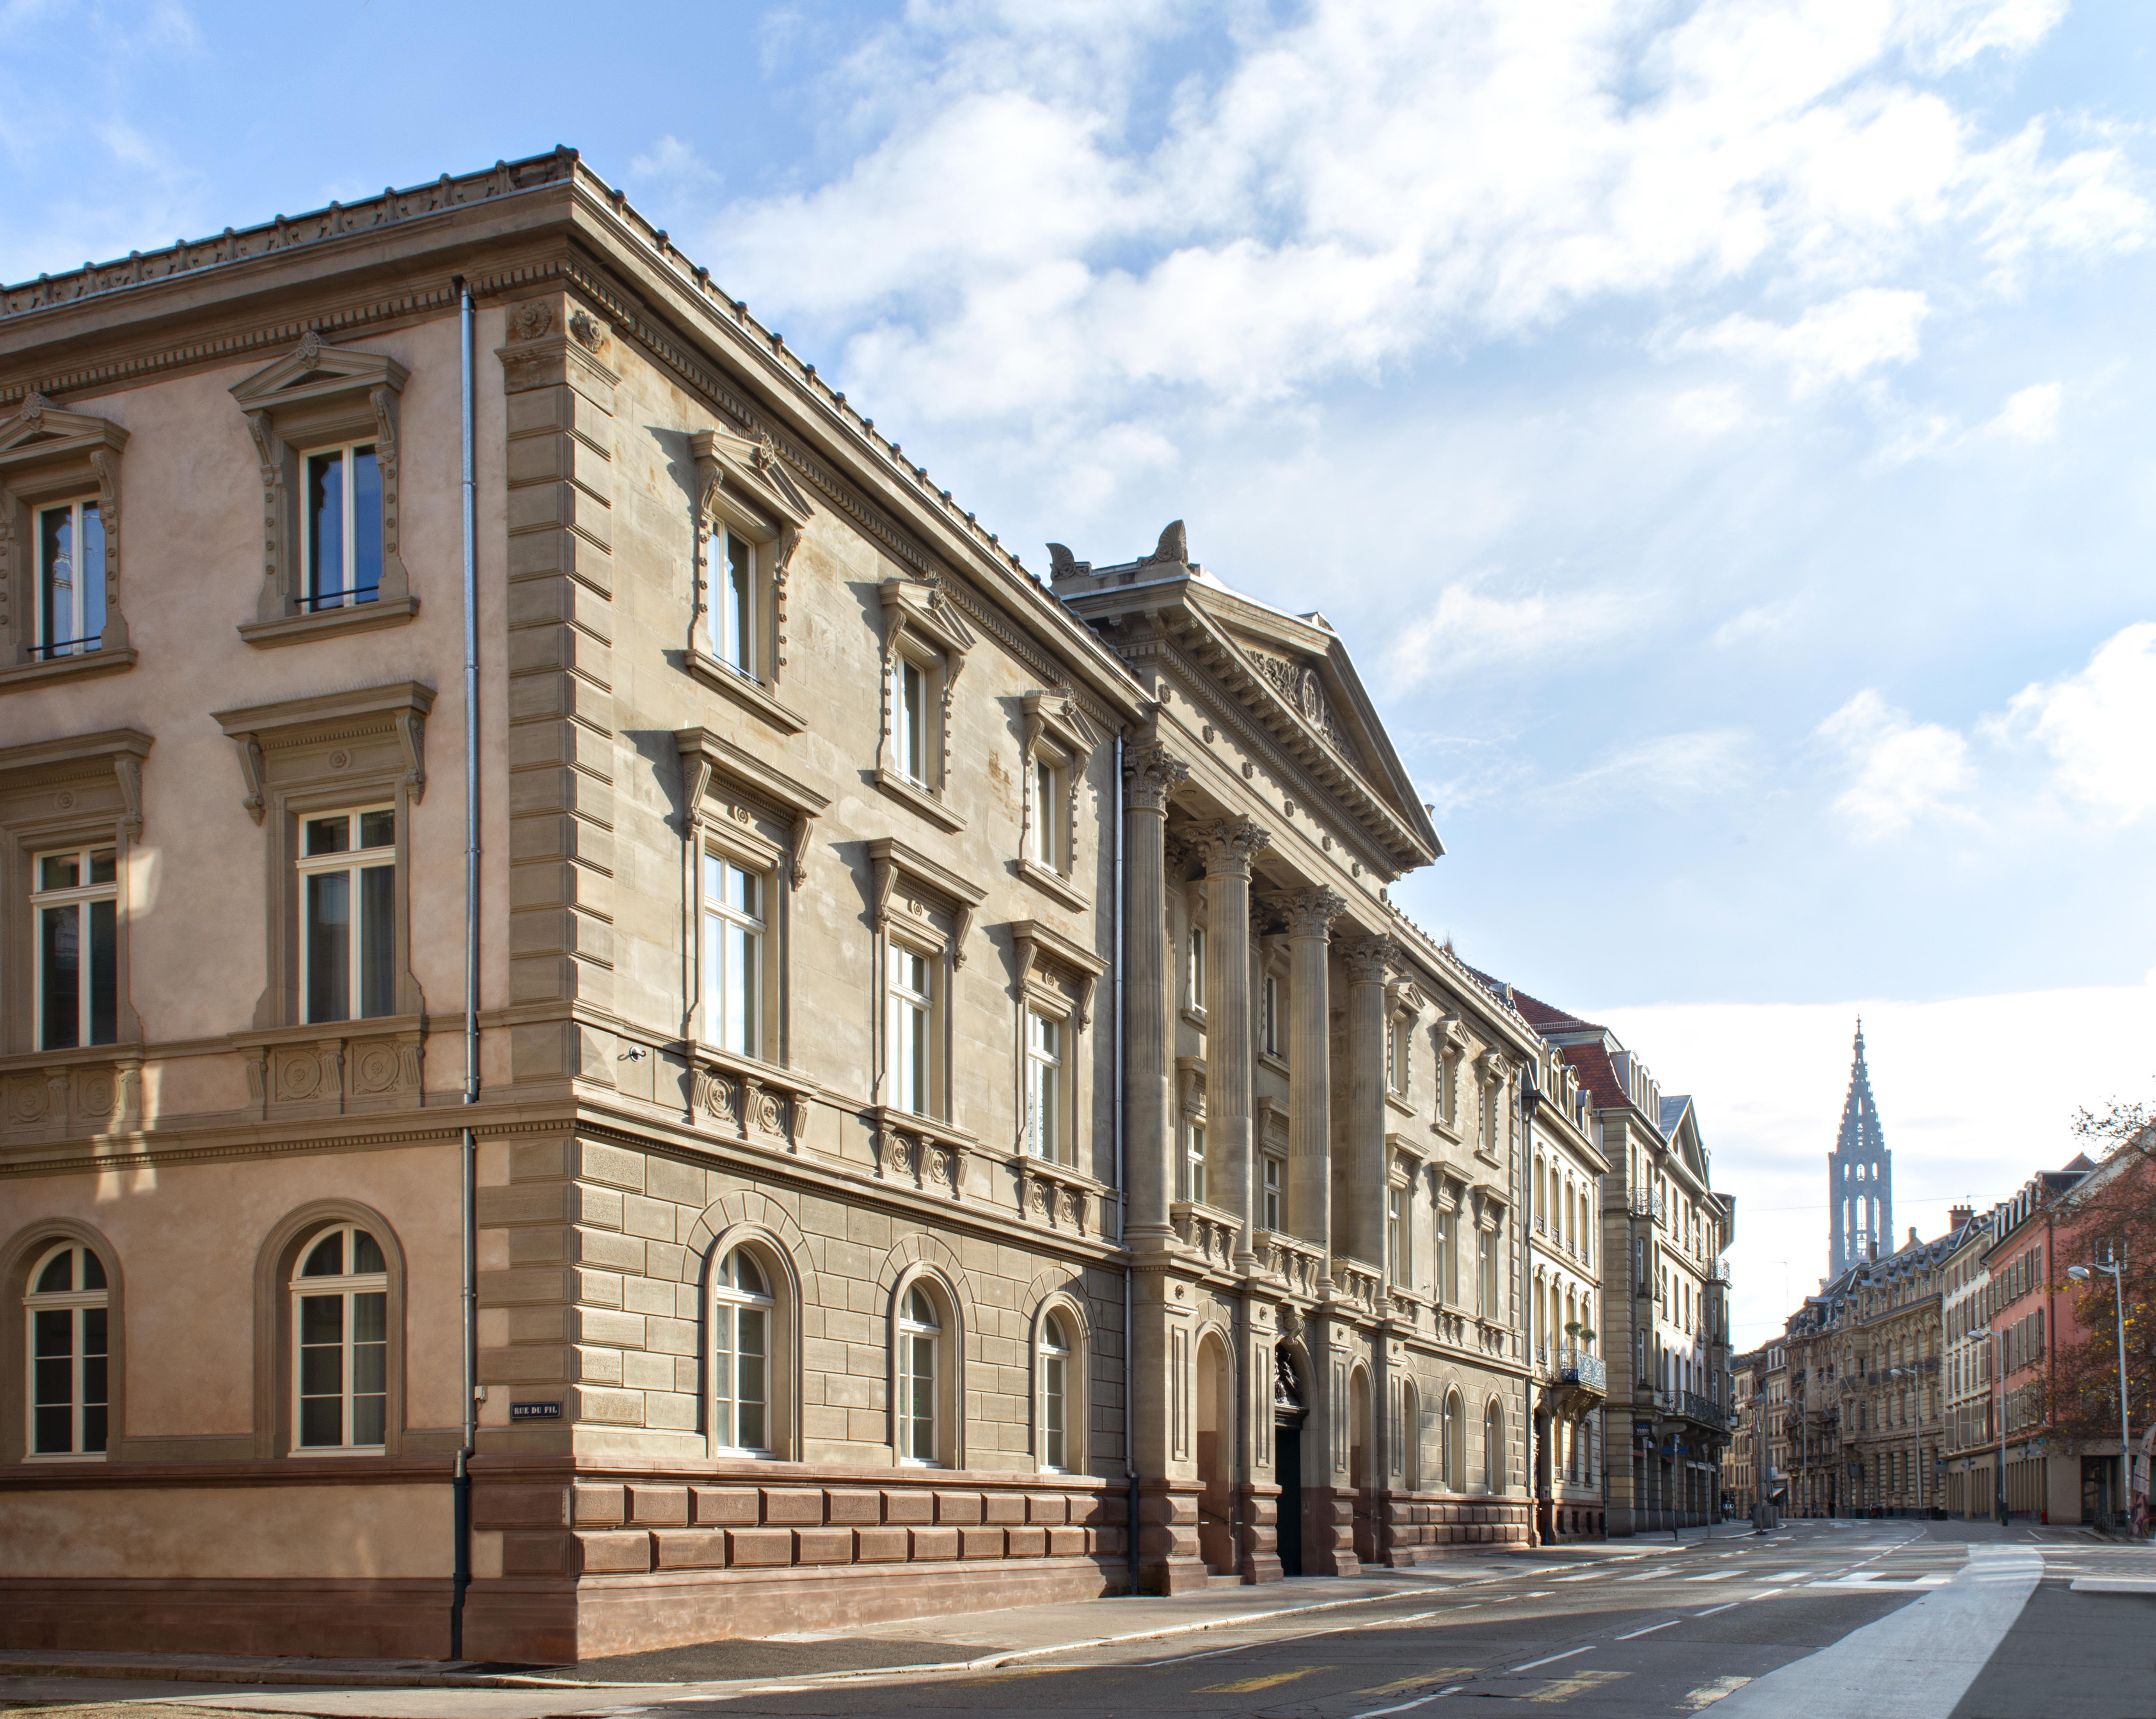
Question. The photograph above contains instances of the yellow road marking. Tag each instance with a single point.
(1249, 1684)
(1436, 1676)
(1707, 1694)
(1563, 1689)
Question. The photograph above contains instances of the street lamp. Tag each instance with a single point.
(1917, 1457)
(2081, 1274)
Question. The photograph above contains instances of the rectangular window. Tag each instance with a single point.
(1447, 1269)
(1486, 1275)
(912, 1029)
(1271, 1195)
(1048, 813)
(76, 906)
(70, 579)
(1196, 975)
(908, 703)
(343, 535)
(1193, 1161)
(1395, 1238)
(1044, 1086)
(1396, 1056)
(348, 915)
(733, 615)
(343, 1336)
(734, 955)
(1270, 1035)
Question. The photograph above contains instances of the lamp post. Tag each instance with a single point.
(1916, 1397)
(2081, 1274)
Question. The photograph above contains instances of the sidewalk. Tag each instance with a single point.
(975, 1641)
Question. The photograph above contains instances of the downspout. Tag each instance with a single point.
(460, 1579)
(1123, 1199)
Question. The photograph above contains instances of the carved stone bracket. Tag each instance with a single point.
(1037, 944)
(890, 859)
(352, 1066)
(916, 1151)
(1057, 1196)
(758, 1104)
(70, 1100)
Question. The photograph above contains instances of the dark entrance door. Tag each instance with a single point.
(1287, 1475)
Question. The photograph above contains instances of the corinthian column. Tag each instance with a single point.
(1310, 916)
(1229, 845)
(1151, 776)
(1368, 959)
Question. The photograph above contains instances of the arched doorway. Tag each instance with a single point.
(1547, 1433)
(1216, 1529)
(1289, 1413)
(1361, 1480)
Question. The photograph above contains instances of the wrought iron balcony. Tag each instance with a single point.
(1581, 1367)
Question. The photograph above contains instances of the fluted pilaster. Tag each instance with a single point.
(1229, 845)
(1151, 774)
(1310, 915)
(1369, 961)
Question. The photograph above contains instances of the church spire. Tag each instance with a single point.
(1859, 1175)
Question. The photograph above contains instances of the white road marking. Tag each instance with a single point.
(1714, 1576)
(1731, 1607)
(1570, 1653)
(1651, 1628)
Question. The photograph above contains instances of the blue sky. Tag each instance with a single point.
(1720, 430)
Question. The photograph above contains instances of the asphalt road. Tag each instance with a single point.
(1654, 1630)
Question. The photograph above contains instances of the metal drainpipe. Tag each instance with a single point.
(1124, 1197)
(460, 1579)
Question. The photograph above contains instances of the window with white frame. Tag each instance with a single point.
(1447, 1288)
(920, 1370)
(1194, 1159)
(1271, 1038)
(1396, 1257)
(1043, 1086)
(1055, 1359)
(734, 913)
(912, 715)
(1396, 1054)
(75, 903)
(71, 548)
(67, 1309)
(348, 915)
(1269, 1194)
(1486, 1275)
(1047, 841)
(1497, 1463)
(1195, 978)
(341, 532)
(734, 619)
(913, 1063)
(341, 1343)
(1451, 1443)
(742, 1309)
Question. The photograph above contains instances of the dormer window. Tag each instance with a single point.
(343, 539)
(70, 580)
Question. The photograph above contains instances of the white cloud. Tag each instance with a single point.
(2031, 414)
(1466, 629)
(1901, 771)
(1844, 340)
(2097, 726)
(1669, 769)
(1020, 235)
(1765, 620)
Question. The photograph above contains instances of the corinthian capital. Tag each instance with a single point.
(1368, 958)
(1230, 844)
(1153, 774)
(1310, 913)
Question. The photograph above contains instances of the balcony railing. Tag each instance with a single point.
(1579, 1366)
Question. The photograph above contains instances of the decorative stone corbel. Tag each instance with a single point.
(252, 768)
(270, 453)
(412, 736)
(128, 770)
(395, 584)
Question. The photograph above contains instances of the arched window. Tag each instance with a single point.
(66, 1312)
(920, 1377)
(742, 1309)
(1055, 1356)
(1495, 1466)
(1410, 1436)
(1452, 1441)
(341, 1343)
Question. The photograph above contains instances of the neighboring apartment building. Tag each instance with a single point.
(1970, 1442)
(815, 1238)
(1865, 1361)
(1666, 1301)
(1746, 1466)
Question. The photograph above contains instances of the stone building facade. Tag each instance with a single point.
(945, 1091)
(1664, 1338)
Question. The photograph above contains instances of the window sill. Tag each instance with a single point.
(742, 690)
(73, 667)
(329, 622)
(1393, 1101)
(1195, 1017)
(1274, 1060)
(925, 801)
(1053, 884)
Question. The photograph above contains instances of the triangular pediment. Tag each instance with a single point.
(752, 468)
(38, 430)
(312, 369)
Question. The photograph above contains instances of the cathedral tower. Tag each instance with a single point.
(1860, 1177)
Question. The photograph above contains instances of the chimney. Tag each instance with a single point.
(1958, 1217)
(1912, 1235)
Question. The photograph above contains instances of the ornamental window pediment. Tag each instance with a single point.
(60, 608)
(749, 519)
